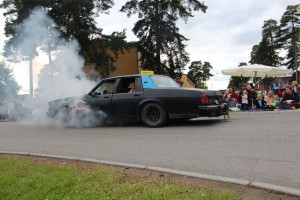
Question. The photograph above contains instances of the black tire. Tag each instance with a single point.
(153, 115)
(64, 117)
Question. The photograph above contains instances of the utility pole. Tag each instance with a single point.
(296, 60)
(30, 76)
(296, 51)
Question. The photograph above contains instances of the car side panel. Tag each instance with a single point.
(100, 103)
(177, 102)
(185, 103)
(126, 104)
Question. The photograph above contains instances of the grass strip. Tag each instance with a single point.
(24, 178)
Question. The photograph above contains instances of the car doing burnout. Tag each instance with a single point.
(153, 99)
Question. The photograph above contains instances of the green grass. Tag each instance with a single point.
(24, 178)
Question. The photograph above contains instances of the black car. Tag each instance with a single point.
(153, 99)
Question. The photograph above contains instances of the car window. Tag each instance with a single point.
(105, 88)
(126, 85)
(163, 81)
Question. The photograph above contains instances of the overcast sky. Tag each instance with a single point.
(223, 36)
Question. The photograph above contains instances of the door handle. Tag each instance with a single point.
(136, 95)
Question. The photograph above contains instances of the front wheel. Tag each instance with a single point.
(65, 117)
(153, 115)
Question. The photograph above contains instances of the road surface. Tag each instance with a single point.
(255, 146)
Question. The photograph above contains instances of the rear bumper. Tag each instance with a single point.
(203, 111)
(213, 110)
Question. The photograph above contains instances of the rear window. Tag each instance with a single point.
(164, 81)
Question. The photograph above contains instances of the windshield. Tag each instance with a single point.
(105, 87)
(163, 81)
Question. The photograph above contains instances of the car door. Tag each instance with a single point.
(100, 98)
(126, 99)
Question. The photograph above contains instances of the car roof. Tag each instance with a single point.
(132, 75)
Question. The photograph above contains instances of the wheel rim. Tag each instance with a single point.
(153, 114)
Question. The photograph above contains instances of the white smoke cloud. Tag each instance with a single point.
(63, 76)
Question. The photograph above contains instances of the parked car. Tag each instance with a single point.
(153, 99)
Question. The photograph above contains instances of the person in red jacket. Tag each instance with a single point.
(231, 97)
(279, 92)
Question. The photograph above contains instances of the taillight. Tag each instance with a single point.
(204, 98)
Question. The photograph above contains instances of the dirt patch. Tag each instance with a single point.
(245, 192)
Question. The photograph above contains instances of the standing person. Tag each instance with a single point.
(251, 96)
(295, 86)
(244, 87)
(290, 99)
(245, 100)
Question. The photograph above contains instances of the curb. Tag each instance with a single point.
(276, 188)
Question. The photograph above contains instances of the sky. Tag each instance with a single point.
(223, 36)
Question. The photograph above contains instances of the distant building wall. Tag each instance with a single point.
(127, 63)
(277, 81)
(187, 81)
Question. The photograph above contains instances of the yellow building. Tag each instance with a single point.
(128, 63)
(187, 82)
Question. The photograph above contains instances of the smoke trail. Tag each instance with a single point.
(63, 76)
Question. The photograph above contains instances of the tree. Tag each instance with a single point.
(157, 31)
(290, 36)
(16, 12)
(236, 82)
(199, 73)
(104, 51)
(72, 20)
(9, 87)
(267, 51)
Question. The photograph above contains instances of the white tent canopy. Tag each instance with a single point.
(257, 70)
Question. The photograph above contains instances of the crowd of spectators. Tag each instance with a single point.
(249, 99)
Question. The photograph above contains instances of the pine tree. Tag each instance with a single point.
(290, 36)
(72, 20)
(200, 73)
(267, 51)
(157, 31)
(9, 87)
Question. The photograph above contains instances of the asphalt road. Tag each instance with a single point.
(255, 146)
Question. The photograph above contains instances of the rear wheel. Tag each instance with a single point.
(153, 115)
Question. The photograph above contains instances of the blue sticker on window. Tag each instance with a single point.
(147, 82)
